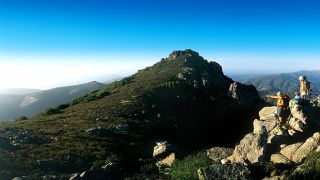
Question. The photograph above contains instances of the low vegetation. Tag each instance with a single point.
(187, 168)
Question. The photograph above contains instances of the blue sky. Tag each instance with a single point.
(242, 35)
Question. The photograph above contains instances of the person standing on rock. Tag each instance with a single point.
(305, 89)
(282, 104)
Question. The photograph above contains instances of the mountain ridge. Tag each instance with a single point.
(179, 99)
(13, 106)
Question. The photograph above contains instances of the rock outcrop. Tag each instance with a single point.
(297, 152)
(252, 148)
(243, 94)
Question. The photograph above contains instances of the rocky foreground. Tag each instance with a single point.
(288, 144)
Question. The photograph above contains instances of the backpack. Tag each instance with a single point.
(307, 85)
(284, 101)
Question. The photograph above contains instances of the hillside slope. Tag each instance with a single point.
(286, 82)
(13, 106)
(183, 99)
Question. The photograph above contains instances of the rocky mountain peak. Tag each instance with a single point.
(185, 53)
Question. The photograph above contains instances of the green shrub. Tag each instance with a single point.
(63, 106)
(188, 167)
(50, 111)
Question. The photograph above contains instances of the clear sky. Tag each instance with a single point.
(44, 43)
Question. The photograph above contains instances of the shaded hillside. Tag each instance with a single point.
(13, 106)
(287, 82)
(183, 99)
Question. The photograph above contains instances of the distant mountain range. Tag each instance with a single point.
(19, 91)
(19, 102)
(286, 82)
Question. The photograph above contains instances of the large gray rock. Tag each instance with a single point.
(243, 94)
(311, 144)
(297, 152)
(297, 112)
(288, 151)
(269, 125)
(252, 148)
(163, 149)
(279, 158)
(165, 154)
(167, 161)
(218, 153)
(278, 136)
(297, 124)
(268, 113)
(228, 171)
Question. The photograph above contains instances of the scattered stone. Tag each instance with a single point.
(75, 177)
(105, 173)
(228, 171)
(219, 153)
(99, 131)
(48, 163)
(122, 127)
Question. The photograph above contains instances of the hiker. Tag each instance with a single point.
(305, 90)
(282, 105)
(297, 98)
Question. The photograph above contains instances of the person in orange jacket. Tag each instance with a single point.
(282, 104)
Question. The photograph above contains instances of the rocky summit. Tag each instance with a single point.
(183, 100)
(288, 145)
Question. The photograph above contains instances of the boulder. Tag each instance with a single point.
(268, 113)
(243, 94)
(311, 144)
(288, 151)
(218, 153)
(228, 171)
(297, 112)
(279, 158)
(252, 148)
(278, 136)
(99, 131)
(163, 149)
(297, 124)
(269, 125)
(166, 162)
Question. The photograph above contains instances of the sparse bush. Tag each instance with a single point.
(21, 118)
(188, 167)
(50, 111)
(63, 106)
